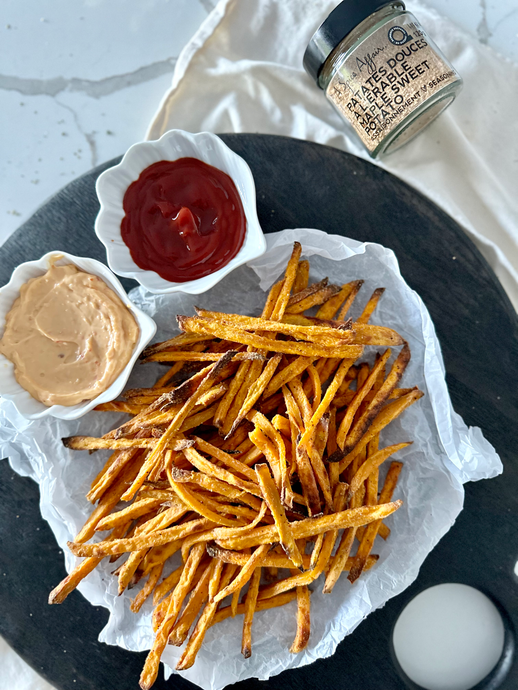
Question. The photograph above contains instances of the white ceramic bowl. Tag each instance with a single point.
(113, 183)
(29, 407)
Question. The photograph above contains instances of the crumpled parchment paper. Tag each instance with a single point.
(444, 455)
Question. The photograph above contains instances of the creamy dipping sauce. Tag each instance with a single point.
(68, 335)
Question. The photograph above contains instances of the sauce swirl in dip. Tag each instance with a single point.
(68, 335)
(184, 219)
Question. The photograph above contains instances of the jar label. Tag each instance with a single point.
(387, 77)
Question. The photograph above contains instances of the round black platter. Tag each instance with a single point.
(299, 184)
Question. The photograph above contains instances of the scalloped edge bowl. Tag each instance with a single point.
(113, 183)
(10, 389)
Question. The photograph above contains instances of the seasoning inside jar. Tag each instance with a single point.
(381, 72)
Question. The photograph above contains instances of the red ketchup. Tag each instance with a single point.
(184, 219)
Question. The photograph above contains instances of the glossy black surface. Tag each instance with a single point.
(298, 185)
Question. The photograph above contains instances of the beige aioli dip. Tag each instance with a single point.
(68, 335)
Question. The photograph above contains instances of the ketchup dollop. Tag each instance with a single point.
(184, 219)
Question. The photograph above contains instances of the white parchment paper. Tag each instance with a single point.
(444, 455)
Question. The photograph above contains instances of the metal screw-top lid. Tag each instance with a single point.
(342, 20)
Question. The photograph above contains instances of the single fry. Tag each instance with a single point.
(294, 369)
(303, 620)
(373, 462)
(356, 286)
(223, 330)
(329, 309)
(250, 604)
(273, 500)
(302, 277)
(311, 527)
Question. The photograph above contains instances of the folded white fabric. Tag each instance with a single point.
(242, 72)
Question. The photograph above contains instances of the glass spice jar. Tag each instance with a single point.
(381, 72)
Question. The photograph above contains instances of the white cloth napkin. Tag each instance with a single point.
(242, 72)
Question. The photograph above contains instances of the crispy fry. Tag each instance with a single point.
(198, 597)
(118, 406)
(379, 399)
(145, 541)
(250, 604)
(204, 465)
(176, 343)
(246, 572)
(329, 309)
(315, 299)
(302, 278)
(301, 398)
(356, 286)
(224, 457)
(272, 298)
(268, 449)
(370, 533)
(150, 670)
(303, 620)
(289, 278)
(132, 512)
(326, 402)
(255, 392)
(311, 527)
(202, 356)
(223, 330)
(216, 486)
(92, 443)
(387, 414)
(372, 463)
(196, 639)
(295, 368)
(167, 585)
(252, 374)
(273, 500)
(324, 335)
(189, 498)
(278, 464)
(307, 480)
(361, 392)
(316, 386)
(144, 593)
(315, 454)
(308, 291)
(367, 334)
(272, 560)
(371, 305)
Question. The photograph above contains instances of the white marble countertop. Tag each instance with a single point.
(80, 82)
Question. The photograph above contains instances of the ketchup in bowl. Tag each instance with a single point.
(183, 219)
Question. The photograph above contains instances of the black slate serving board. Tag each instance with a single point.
(300, 184)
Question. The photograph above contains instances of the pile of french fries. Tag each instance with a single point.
(256, 455)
